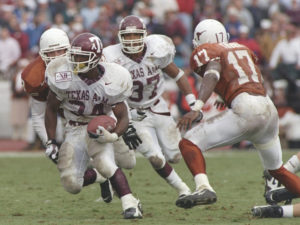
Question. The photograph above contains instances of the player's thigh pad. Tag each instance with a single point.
(72, 161)
(150, 146)
(103, 157)
(168, 136)
(223, 129)
(125, 158)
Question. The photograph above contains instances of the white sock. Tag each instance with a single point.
(202, 182)
(293, 164)
(175, 181)
(287, 210)
(128, 201)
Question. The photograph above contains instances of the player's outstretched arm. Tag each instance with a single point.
(50, 124)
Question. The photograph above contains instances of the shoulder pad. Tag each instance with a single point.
(33, 76)
(59, 74)
(112, 53)
(117, 80)
(159, 46)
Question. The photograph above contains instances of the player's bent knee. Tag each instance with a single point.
(156, 162)
(175, 159)
(65, 157)
(126, 160)
(104, 167)
(71, 184)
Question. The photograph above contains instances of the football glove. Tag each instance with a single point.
(138, 114)
(131, 138)
(52, 150)
(103, 136)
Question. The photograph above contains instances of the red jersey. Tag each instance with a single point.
(33, 77)
(239, 72)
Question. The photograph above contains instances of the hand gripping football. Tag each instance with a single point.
(105, 121)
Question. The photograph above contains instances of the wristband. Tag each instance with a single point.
(190, 99)
(51, 142)
(215, 72)
(179, 75)
(197, 106)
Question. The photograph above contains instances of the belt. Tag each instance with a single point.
(155, 103)
(77, 123)
(159, 113)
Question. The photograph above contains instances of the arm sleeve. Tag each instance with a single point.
(38, 116)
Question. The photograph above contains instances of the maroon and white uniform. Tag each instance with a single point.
(251, 115)
(158, 130)
(82, 99)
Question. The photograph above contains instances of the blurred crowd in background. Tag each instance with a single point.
(268, 27)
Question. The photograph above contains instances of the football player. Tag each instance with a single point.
(276, 211)
(148, 58)
(83, 88)
(274, 191)
(54, 43)
(230, 70)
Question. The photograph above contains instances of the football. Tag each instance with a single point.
(105, 121)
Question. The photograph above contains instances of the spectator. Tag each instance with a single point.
(173, 26)
(160, 9)
(185, 11)
(251, 43)
(20, 36)
(143, 9)
(244, 15)
(59, 23)
(258, 13)
(268, 38)
(90, 13)
(232, 22)
(294, 12)
(9, 54)
(35, 30)
(209, 11)
(285, 58)
(19, 104)
(71, 11)
(76, 27)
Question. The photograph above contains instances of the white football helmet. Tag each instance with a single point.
(53, 39)
(129, 25)
(210, 31)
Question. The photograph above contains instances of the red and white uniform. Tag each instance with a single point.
(33, 77)
(251, 115)
(158, 130)
(81, 100)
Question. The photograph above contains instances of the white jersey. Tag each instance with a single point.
(81, 101)
(147, 75)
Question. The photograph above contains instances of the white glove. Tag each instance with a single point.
(52, 150)
(105, 136)
(138, 114)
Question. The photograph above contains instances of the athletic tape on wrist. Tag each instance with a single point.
(179, 75)
(212, 71)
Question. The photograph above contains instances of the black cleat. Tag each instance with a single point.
(106, 191)
(273, 197)
(270, 182)
(203, 197)
(134, 212)
(267, 211)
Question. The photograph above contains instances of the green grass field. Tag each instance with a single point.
(31, 193)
